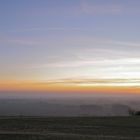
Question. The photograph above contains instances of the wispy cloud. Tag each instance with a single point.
(100, 9)
(125, 62)
(105, 68)
(96, 82)
(88, 7)
(40, 29)
(78, 9)
(70, 41)
(113, 8)
(29, 42)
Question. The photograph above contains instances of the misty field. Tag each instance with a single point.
(70, 128)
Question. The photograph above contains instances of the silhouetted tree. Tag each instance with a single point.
(131, 112)
(137, 113)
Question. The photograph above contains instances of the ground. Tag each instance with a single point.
(70, 128)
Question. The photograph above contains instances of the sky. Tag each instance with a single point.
(70, 45)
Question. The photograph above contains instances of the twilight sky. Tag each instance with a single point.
(90, 44)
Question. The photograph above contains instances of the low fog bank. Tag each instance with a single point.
(68, 107)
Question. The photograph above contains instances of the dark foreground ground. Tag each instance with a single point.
(72, 128)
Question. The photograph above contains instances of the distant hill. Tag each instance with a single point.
(47, 108)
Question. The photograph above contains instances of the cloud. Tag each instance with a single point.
(96, 82)
(105, 68)
(74, 51)
(78, 9)
(75, 9)
(70, 41)
(100, 9)
(125, 62)
(40, 29)
(29, 42)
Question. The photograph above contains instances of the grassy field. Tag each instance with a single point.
(70, 128)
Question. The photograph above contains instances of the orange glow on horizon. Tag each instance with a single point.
(66, 88)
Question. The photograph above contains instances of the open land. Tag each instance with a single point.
(70, 128)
